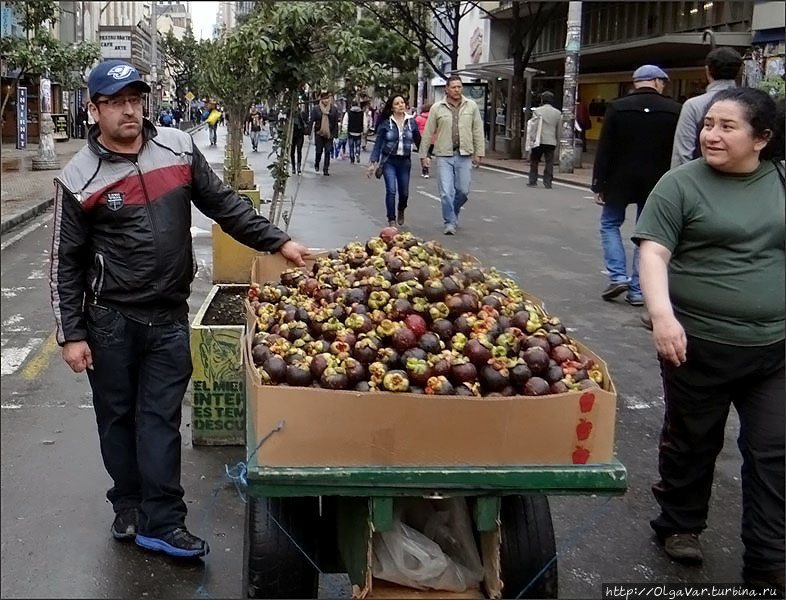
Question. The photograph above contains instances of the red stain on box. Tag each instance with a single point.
(580, 455)
(583, 429)
(586, 402)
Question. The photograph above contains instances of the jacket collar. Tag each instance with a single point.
(149, 131)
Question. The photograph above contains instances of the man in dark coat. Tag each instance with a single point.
(324, 121)
(634, 150)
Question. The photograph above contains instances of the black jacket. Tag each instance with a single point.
(635, 143)
(316, 120)
(121, 236)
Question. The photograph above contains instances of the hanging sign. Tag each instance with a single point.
(21, 117)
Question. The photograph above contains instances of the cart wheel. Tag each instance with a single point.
(273, 566)
(527, 546)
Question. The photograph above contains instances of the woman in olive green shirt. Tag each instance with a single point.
(712, 237)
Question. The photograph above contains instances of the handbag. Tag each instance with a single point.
(378, 170)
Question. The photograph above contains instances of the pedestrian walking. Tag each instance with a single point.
(551, 120)
(177, 116)
(633, 152)
(299, 128)
(353, 125)
(121, 270)
(254, 123)
(367, 125)
(458, 146)
(421, 122)
(212, 116)
(324, 123)
(712, 239)
(396, 134)
(340, 144)
(165, 118)
(721, 67)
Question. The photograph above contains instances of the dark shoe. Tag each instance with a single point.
(400, 219)
(391, 223)
(761, 580)
(325, 173)
(125, 524)
(646, 320)
(613, 290)
(634, 300)
(532, 185)
(681, 547)
(178, 542)
(547, 186)
(316, 169)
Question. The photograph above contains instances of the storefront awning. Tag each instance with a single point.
(492, 70)
(767, 36)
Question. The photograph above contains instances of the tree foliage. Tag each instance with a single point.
(39, 52)
(180, 58)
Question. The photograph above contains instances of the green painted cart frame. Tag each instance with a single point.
(345, 505)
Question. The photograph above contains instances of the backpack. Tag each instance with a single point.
(166, 119)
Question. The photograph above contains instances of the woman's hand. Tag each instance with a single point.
(670, 340)
(370, 170)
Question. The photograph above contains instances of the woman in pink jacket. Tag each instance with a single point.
(421, 122)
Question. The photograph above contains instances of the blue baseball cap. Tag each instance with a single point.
(111, 76)
(648, 73)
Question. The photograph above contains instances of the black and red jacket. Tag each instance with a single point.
(121, 236)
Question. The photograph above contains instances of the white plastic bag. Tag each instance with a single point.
(405, 556)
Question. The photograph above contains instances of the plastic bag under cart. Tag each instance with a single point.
(443, 557)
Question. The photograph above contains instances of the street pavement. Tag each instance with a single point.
(55, 520)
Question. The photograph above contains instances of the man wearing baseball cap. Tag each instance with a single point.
(634, 150)
(121, 268)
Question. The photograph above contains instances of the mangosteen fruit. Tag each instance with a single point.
(434, 290)
(319, 363)
(519, 374)
(451, 285)
(260, 353)
(492, 379)
(388, 356)
(554, 374)
(441, 367)
(463, 371)
(276, 368)
(558, 387)
(491, 300)
(355, 370)
(416, 324)
(404, 339)
(476, 352)
(561, 353)
(414, 352)
(461, 325)
(418, 371)
(298, 374)
(395, 381)
(387, 235)
(430, 342)
(443, 328)
(588, 383)
(362, 386)
(439, 386)
(334, 378)
(456, 306)
(537, 341)
(536, 386)
(537, 359)
(400, 308)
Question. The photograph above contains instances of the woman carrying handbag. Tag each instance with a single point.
(396, 133)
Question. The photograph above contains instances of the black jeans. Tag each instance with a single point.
(698, 395)
(322, 144)
(545, 151)
(297, 145)
(139, 378)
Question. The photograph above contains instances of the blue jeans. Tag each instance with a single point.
(611, 219)
(354, 147)
(454, 176)
(396, 173)
(140, 374)
(211, 129)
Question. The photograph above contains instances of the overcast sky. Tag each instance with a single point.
(203, 17)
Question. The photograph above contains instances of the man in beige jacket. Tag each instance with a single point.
(458, 146)
(552, 120)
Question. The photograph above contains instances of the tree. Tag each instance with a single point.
(525, 29)
(419, 22)
(40, 53)
(180, 58)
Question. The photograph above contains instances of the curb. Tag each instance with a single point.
(26, 215)
(525, 173)
(43, 206)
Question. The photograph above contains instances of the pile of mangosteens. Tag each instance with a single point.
(400, 314)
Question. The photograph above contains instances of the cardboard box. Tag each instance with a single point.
(218, 403)
(347, 428)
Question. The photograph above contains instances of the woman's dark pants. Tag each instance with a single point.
(297, 145)
(396, 173)
(140, 376)
(698, 395)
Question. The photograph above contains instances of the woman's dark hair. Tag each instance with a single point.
(760, 111)
(426, 107)
(387, 110)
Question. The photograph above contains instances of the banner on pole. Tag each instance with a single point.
(21, 118)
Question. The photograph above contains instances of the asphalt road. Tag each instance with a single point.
(55, 520)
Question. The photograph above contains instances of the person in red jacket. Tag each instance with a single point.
(421, 122)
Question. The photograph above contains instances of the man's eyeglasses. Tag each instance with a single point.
(120, 102)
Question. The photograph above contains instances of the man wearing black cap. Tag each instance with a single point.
(122, 264)
(634, 150)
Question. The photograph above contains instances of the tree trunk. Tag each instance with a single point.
(280, 171)
(234, 145)
(456, 18)
(516, 102)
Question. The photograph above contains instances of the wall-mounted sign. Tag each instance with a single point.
(21, 117)
(115, 43)
(61, 126)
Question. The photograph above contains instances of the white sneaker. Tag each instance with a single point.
(450, 229)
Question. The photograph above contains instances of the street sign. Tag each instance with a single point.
(21, 118)
(190, 96)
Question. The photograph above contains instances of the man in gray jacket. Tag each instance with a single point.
(552, 119)
(722, 66)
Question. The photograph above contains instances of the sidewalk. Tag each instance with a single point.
(581, 176)
(25, 193)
